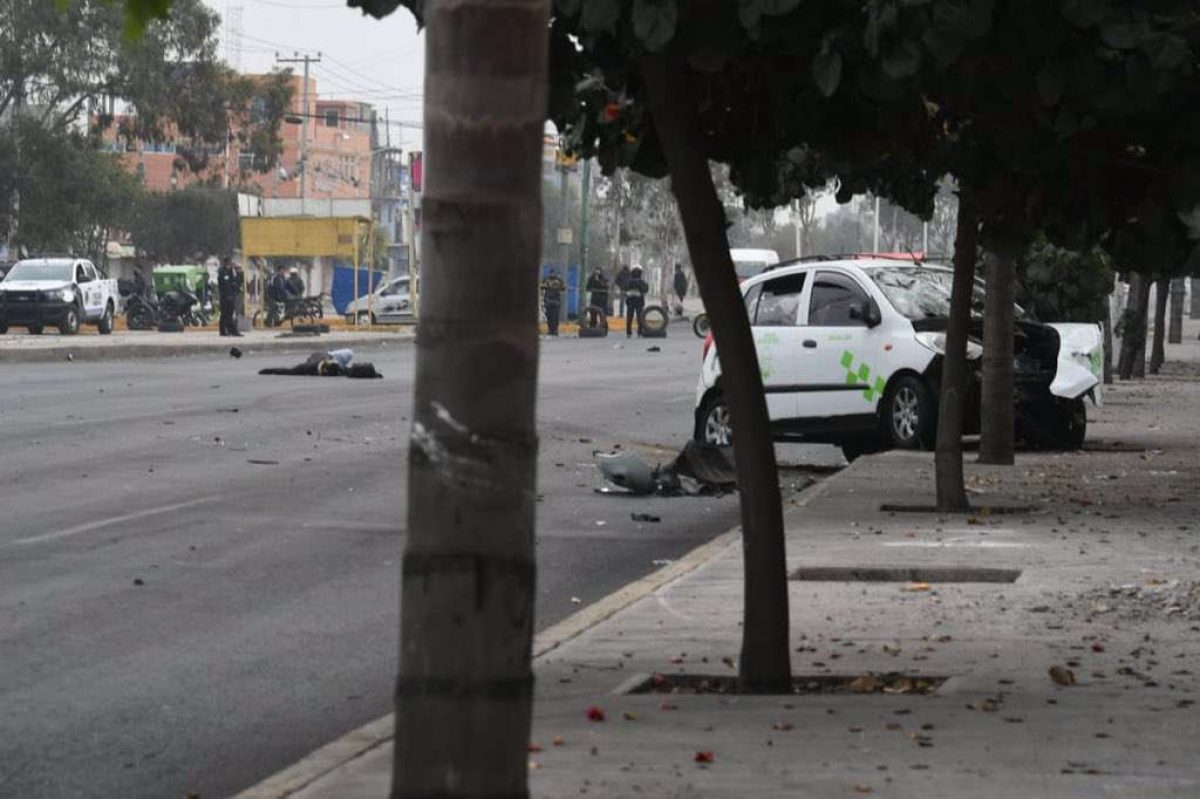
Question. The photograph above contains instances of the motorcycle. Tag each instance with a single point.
(140, 313)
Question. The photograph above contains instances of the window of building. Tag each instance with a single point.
(331, 118)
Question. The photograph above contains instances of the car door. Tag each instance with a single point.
(774, 308)
(85, 280)
(842, 355)
(391, 299)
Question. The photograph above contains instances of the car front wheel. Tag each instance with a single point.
(909, 414)
(715, 424)
(70, 322)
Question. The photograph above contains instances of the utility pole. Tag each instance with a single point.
(306, 60)
(564, 229)
(796, 228)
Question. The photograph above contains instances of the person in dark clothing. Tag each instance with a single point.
(227, 295)
(597, 286)
(621, 281)
(139, 282)
(636, 290)
(295, 285)
(277, 285)
(552, 293)
(681, 287)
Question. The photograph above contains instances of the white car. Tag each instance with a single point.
(851, 354)
(750, 262)
(61, 292)
(391, 302)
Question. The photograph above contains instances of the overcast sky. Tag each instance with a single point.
(376, 61)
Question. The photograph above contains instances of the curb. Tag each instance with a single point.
(359, 742)
(117, 352)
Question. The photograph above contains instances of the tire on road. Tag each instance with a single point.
(909, 415)
(594, 323)
(700, 325)
(714, 425)
(654, 322)
(139, 319)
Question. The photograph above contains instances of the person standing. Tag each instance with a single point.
(597, 286)
(552, 293)
(620, 281)
(681, 287)
(636, 290)
(227, 295)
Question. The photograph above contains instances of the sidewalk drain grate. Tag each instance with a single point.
(983, 510)
(905, 574)
(864, 684)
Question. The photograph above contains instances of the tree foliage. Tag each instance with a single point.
(1055, 284)
(185, 226)
(71, 195)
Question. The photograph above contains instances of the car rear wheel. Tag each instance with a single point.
(715, 424)
(909, 414)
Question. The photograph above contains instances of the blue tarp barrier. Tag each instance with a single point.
(342, 293)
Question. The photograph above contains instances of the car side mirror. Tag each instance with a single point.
(866, 311)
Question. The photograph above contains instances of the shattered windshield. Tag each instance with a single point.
(924, 293)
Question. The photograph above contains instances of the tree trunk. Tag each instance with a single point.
(1175, 331)
(951, 491)
(1194, 310)
(464, 691)
(1108, 346)
(997, 429)
(1133, 336)
(1162, 293)
(765, 660)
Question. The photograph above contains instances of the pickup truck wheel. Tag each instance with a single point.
(3, 329)
(70, 322)
(105, 325)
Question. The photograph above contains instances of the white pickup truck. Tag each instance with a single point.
(61, 292)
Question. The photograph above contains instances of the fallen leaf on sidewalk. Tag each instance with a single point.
(676, 659)
(1062, 675)
(595, 714)
(863, 789)
(865, 684)
(1097, 647)
(704, 757)
(535, 747)
(904, 685)
(629, 716)
(668, 706)
(558, 740)
(783, 726)
(917, 587)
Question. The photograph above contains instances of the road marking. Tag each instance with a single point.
(101, 523)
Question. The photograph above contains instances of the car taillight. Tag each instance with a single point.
(708, 342)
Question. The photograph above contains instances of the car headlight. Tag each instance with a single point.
(64, 295)
(937, 343)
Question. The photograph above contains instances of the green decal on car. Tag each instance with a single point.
(862, 376)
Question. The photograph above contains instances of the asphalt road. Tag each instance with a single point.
(199, 565)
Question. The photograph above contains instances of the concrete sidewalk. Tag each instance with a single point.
(19, 347)
(1102, 546)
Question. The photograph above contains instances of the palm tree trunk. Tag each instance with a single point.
(948, 460)
(997, 429)
(464, 691)
(765, 660)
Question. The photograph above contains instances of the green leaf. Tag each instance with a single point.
(749, 12)
(600, 16)
(654, 22)
(901, 58)
(944, 46)
(1084, 13)
(1050, 84)
(568, 8)
(1122, 35)
(827, 69)
(1169, 52)
(777, 8)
